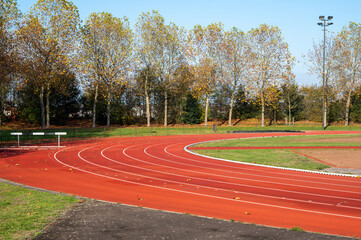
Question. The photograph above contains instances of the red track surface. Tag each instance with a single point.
(156, 172)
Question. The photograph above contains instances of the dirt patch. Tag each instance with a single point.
(342, 158)
(348, 158)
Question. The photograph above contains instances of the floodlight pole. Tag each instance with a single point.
(324, 25)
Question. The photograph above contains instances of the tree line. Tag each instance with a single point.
(55, 67)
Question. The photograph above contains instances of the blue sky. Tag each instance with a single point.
(297, 19)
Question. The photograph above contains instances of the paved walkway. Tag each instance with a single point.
(103, 220)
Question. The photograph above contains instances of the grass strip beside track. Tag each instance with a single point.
(6, 138)
(289, 141)
(24, 213)
(76, 133)
(271, 157)
(276, 157)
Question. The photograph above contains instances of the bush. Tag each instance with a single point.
(355, 110)
(193, 112)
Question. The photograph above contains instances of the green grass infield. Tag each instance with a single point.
(271, 157)
(276, 157)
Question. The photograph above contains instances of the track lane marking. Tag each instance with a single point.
(217, 188)
(257, 165)
(241, 178)
(215, 181)
(252, 174)
(195, 185)
(206, 195)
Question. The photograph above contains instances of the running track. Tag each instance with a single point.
(157, 172)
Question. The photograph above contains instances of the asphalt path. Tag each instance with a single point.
(104, 220)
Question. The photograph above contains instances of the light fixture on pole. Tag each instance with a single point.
(325, 22)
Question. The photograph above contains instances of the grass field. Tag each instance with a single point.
(24, 213)
(287, 141)
(276, 157)
(76, 133)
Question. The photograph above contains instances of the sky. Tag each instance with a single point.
(297, 19)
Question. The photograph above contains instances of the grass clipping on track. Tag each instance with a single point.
(24, 213)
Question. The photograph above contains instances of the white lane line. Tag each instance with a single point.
(272, 167)
(251, 174)
(214, 181)
(195, 185)
(228, 183)
(205, 195)
(240, 178)
(225, 176)
(260, 165)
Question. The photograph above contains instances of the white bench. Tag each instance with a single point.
(38, 134)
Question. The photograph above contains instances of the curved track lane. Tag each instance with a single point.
(157, 172)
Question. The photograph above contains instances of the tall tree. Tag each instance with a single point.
(172, 60)
(204, 46)
(47, 40)
(9, 15)
(347, 63)
(192, 110)
(9, 12)
(270, 60)
(180, 92)
(150, 29)
(311, 104)
(7, 66)
(64, 101)
(355, 113)
(245, 108)
(205, 75)
(106, 54)
(272, 99)
(144, 85)
(291, 98)
(236, 58)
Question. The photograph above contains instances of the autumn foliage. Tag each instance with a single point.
(156, 71)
